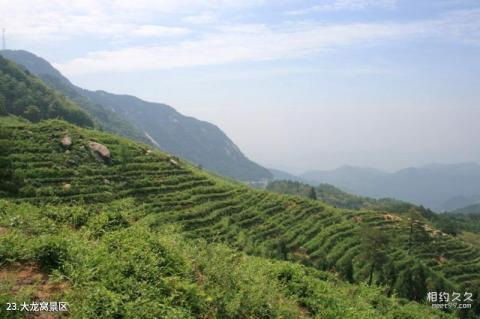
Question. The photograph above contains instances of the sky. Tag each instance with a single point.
(296, 84)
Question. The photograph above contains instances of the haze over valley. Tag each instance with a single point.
(381, 84)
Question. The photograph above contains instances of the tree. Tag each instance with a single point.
(10, 183)
(33, 113)
(312, 194)
(418, 235)
(125, 155)
(375, 244)
(411, 282)
(345, 267)
(3, 106)
(449, 227)
(282, 248)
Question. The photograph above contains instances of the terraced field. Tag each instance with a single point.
(170, 190)
(115, 266)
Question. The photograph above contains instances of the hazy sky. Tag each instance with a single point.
(297, 85)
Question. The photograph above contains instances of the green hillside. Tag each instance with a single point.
(403, 253)
(107, 263)
(200, 142)
(461, 223)
(472, 210)
(107, 119)
(157, 124)
(441, 187)
(24, 95)
(336, 197)
(458, 222)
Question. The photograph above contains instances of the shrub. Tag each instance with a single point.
(51, 252)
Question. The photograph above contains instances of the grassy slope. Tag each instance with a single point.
(112, 265)
(258, 222)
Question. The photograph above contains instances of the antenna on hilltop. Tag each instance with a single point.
(4, 47)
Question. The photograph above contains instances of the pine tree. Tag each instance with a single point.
(411, 282)
(375, 244)
(418, 235)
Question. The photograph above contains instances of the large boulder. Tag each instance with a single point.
(66, 141)
(100, 151)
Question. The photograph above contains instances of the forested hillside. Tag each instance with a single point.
(156, 124)
(56, 163)
(441, 187)
(106, 118)
(338, 198)
(24, 95)
(197, 141)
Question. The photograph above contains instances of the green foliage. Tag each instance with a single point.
(24, 95)
(50, 252)
(375, 245)
(107, 119)
(9, 182)
(338, 198)
(3, 106)
(32, 113)
(455, 223)
(106, 222)
(83, 201)
(152, 123)
(137, 272)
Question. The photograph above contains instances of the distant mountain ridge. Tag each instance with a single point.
(198, 141)
(336, 197)
(472, 209)
(153, 123)
(438, 186)
(283, 175)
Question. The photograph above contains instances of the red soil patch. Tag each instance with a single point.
(29, 276)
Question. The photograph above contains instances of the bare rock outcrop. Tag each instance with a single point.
(100, 151)
(66, 141)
